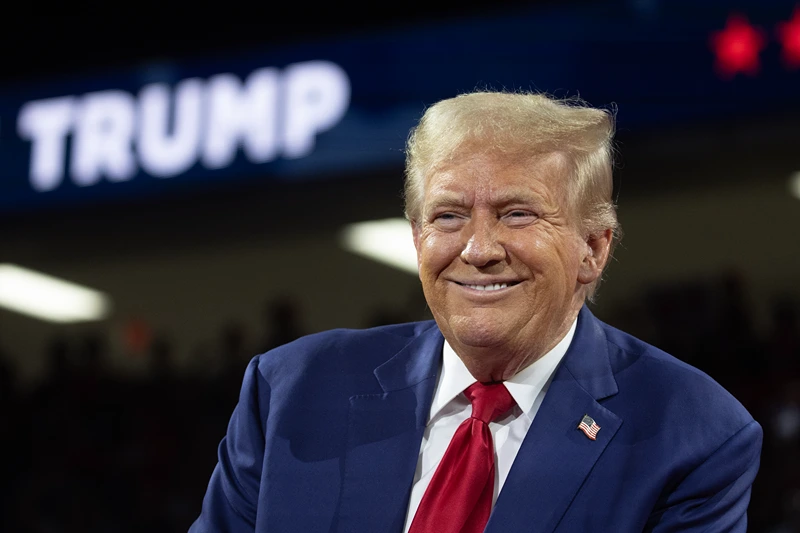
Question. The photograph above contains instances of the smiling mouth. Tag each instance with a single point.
(489, 287)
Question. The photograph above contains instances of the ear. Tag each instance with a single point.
(597, 248)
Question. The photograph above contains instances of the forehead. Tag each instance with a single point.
(500, 177)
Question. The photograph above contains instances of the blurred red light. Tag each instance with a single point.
(737, 47)
(136, 336)
(789, 35)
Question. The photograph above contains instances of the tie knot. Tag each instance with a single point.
(489, 402)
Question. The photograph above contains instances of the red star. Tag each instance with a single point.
(737, 47)
(789, 35)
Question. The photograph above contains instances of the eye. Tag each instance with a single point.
(519, 217)
(448, 220)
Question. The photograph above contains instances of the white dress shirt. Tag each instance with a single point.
(450, 407)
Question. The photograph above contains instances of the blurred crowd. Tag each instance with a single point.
(89, 451)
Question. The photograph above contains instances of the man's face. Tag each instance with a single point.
(501, 261)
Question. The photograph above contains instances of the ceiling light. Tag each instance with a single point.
(794, 185)
(388, 241)
(49, 298)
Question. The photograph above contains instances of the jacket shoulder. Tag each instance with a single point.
(344, 349)
(669, 392)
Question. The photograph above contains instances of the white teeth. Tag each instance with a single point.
(495, 287)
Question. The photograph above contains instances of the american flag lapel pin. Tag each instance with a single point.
(589, 427)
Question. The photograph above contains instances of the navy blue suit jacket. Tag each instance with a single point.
(328, 428)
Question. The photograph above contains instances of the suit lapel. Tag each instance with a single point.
(556, 457)
(384, 435)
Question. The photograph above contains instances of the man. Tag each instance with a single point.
(516, 410)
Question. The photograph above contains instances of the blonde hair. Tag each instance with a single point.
(520, 125)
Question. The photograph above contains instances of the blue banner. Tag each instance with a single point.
(330, 108)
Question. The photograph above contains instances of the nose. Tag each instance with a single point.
(483, 248)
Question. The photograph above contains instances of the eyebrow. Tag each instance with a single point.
(502, 198)
(514, 196)
(446, 199)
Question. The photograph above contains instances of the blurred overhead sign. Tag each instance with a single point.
(343, 107)
(164, 131)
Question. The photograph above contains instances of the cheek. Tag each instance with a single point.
(437, 251)
(569, 258)
(535, 251)
(546, 255)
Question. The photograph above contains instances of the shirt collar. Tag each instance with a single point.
(524, 386)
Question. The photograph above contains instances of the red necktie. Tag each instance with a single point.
(459, 497)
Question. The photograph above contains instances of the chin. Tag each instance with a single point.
(479, 332)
